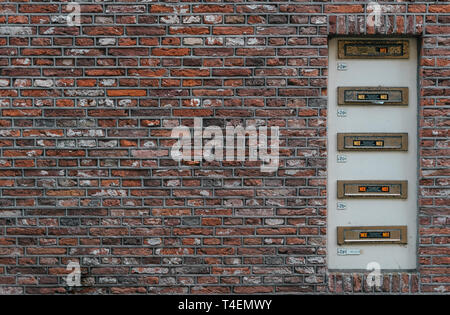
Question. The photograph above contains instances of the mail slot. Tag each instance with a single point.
(372, 189)
(385, 96)
(372, 235)
(373, 49)
(372, 148)
(372, 142)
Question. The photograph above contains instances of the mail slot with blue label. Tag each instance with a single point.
(372, 234)
(372, 189)
(373, 49)
(380, 96)
(372, 142)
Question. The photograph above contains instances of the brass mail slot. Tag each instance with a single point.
(393, 189)
(372, 141)
(372, 235)
(373, 96)
(373, 49)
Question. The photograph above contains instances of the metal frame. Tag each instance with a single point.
(345, 191)
(398, 234)
(392, 141)
(366, 49)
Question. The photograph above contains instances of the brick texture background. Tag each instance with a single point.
(85, 167)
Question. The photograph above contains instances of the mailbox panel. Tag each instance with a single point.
(372, 189)
(373, 49)
(372, 142)
(372, 120)
(379, 96)
(372, 235)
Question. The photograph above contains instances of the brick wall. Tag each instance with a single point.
(86, 118)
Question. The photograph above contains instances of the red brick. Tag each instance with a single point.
(344, 8)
